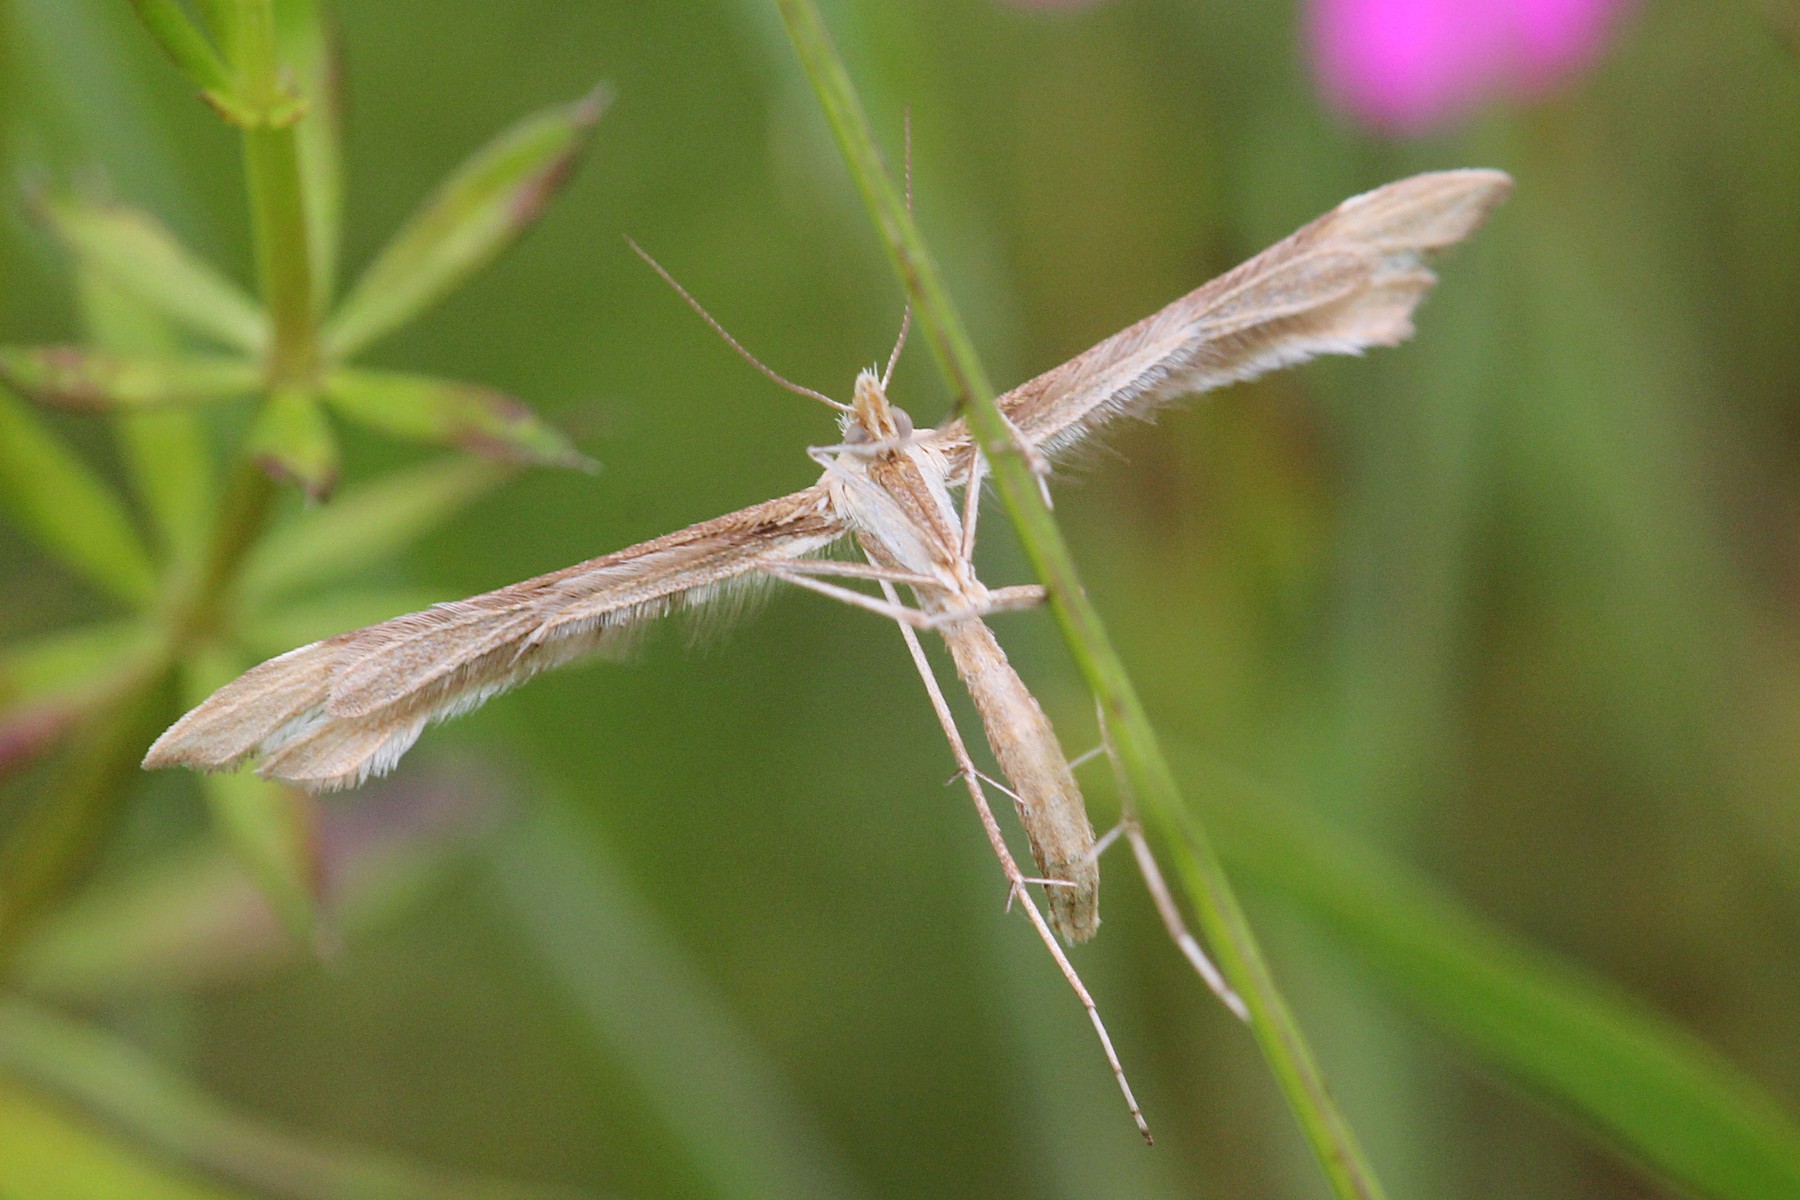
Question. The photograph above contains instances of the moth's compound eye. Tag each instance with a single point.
(856, 435)
(902, 422)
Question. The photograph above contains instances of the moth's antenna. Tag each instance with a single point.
(905, 317)
(719, 329)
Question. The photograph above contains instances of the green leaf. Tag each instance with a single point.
(80, 378)
(53, 1155)
(365, 524)
(143, 259)
(52, 495)
(272, 828)
(166, 453)
(301, 623)
(1652, 1089)
(61, 831)
(191, 918)
(187, 45)
(307, 44)
(478, 212)
(69, 660)
(292, 440)
(476, 418)
(131, 1090)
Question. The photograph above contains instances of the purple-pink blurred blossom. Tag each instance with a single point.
(1407, 65)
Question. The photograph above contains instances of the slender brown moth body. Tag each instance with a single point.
(329, 715)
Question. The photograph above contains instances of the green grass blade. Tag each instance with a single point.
(702, 1075)
(364, 525)
(142, 258)
(50, 1154)
(132, 1091)
(96, 381)
(1284, 1047)
(443, 412)
(1648, 1087)
(52, 495)
(477, 212)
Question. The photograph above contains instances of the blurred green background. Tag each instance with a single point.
(1510, 610)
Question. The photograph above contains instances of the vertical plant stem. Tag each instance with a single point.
(277, 197)
(272, 162)
(1282, 1043)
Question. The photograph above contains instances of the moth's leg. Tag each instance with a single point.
(855, 570)
(1015, 879)
(1158, 887)
(890, 608)
(1024, 595)
(971, 503)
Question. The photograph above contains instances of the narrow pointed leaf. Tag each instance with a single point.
(478, 212)
(52, 495)
(447, 413)
(272, 829)
(292, 440)
(299, 622)
(187, 45)
(69, 660)
(364, 525)
(166, 453)
(50, 1154)
(132, 1091)
(1649, 1087)
(308, 45)
(93, 380)
(192, 919)
(143, 259)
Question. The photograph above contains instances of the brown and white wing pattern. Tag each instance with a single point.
(1348, 281)
(329, 715)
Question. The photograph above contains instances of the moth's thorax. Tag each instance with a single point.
(895, 494)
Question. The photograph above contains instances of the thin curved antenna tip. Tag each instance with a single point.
(736, 345)
(905, 317)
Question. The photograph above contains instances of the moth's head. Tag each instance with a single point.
(871, 417)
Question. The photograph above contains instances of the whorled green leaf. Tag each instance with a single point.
(272, 828)
(479, 419)
(479, 211)
(63, 825)
(142, 258)
(132, 1091)
(69, 660)
(96, 381)
(192, 918)
(53, 496)
(187, 45)
(51, 1154)
(302, 622)
(363, 525)
(165, 453)
(307, 43)
(1647, 1086)
(293, 440)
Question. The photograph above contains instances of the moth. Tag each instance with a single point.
(329, 715)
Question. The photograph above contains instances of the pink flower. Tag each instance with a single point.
(1406, 65)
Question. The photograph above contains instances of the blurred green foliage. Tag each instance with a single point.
(1511, 605)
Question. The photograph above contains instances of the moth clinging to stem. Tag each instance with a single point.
(329, 715)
